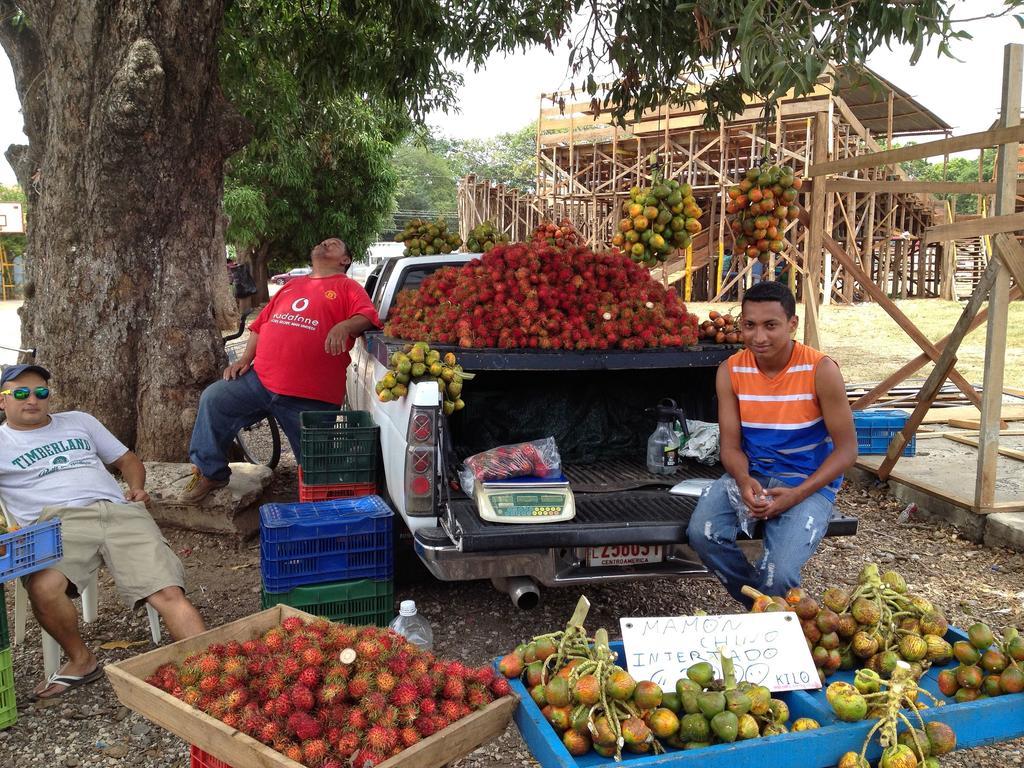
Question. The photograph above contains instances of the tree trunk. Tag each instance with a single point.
(128, 132)
(257, 259)
(225, 307)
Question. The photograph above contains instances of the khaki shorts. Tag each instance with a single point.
(125, 537)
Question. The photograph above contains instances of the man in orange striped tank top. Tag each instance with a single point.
(787, 437)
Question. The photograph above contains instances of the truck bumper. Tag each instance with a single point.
(559, 567)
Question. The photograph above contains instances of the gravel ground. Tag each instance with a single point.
(471, 621)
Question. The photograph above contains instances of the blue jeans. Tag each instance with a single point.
(789, 541)
(228, 406)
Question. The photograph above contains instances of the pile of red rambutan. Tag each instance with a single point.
(291, 690)
(543, 297)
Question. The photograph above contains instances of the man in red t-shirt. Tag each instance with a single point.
(295, 361)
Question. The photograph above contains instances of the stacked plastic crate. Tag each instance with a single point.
(331, 554)
(22, 552)
(330, 558)
(339, 455)
(8, 706)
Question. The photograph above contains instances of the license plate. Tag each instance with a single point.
(624, 554)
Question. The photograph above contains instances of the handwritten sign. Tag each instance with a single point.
(767, 648)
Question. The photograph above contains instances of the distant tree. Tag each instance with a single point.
(426, 180)
(959, 169)
(318, 171)
(508, 158)
(13, 244)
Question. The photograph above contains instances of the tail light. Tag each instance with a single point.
(420, 462)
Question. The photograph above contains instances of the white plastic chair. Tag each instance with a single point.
(51, 648)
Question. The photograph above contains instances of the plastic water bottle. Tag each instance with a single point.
(413, 627)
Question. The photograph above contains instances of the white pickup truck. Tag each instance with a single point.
(627, 524)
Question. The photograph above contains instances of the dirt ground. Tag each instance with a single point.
(475, 623)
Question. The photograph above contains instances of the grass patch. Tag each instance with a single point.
(869, 345)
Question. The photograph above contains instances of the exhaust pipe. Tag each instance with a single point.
(524, 591)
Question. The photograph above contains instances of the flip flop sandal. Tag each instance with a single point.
(69, 682)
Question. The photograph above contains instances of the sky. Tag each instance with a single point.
(505, 96)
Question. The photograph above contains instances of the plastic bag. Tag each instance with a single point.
(537, 458)
(703, 444)
(747, 521)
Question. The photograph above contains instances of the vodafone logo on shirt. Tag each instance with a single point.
(295, 318)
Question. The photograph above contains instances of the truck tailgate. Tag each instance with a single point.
(636, 508)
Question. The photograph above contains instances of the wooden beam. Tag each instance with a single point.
(978, 140)
(1009, 453)
(917, 485)
(994, 225)
(912, 366)
(1010, 252)
(853, 271)
(929, 390)
(943, 366)
(812, 244)
(999, 299)
(973, 424)
(842, 184)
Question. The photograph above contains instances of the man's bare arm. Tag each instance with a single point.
(134, 473)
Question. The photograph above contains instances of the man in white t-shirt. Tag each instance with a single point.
(52, 465)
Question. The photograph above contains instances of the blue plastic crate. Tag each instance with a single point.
(325, 541)
(876, 428)
(30, 549)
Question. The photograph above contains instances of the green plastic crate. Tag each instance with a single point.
(5, 637)
(338, 447)
(365, 601)
(8, 706)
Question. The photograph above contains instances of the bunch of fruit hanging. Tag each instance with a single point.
(761, 206)
(657, 220)
(418, 362)
(426, 238)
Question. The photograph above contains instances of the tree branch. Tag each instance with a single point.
(23, 46)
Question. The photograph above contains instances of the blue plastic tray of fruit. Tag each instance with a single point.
(30, 549)
(976, 723)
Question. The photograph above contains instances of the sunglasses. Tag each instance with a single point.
(22, 393)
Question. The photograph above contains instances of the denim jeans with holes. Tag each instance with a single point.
(789, 541)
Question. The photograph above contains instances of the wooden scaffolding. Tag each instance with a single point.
(585, 166)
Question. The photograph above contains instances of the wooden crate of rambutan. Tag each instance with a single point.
(314, 693)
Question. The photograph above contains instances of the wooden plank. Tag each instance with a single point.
(917, 485)
(999, 303)
(1010, 252)
(1001, 506)
(236, 748)
(974, 424)
(1012, 222)
(978, 140)
(943, 415)
(969, 433)
(812, 244)
(855, 272)
(1008, 452)
(840, 184)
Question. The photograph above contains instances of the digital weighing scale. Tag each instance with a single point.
(525, 500)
